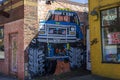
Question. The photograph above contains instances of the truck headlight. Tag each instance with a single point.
(72, 29)
(41, 27)
(72, 33)
(42, 32)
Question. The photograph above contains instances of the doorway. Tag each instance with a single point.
(13, 39)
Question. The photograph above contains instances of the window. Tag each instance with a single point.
(1, 43)
(119, 14)
(110, 24)
(2, 1)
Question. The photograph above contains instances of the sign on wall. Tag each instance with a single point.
(111, 53)
(109, 17)
(114, 38)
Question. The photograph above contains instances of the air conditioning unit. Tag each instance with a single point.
(49, 1)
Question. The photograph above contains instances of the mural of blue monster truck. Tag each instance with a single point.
(59, 38)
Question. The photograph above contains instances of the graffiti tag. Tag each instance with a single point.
(94, 41)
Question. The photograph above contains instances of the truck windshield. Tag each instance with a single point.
(63, 17)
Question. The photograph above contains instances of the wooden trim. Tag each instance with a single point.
(20, 3)
(12, 5)
(105, 62)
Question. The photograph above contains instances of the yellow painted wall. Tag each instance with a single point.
(103, 69)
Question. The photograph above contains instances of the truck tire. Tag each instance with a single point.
(36, 62)
(75, 57)
(41, 62)
(30, 62)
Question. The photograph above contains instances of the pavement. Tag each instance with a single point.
(86, 77)
(4, 77)
(90, 77)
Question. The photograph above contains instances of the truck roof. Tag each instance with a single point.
(62, 11)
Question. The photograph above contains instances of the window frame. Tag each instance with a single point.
(111, 26)
(2, 27)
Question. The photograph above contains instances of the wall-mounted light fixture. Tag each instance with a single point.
(94, 13)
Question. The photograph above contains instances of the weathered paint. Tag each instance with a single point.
(103, 69)
(23, 21)
(20, 3)
(14, 8)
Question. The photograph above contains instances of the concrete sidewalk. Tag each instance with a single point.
(4, 77)
(90, 77)
(85, 77)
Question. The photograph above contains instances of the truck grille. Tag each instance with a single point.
(58, 34)
(57, 31)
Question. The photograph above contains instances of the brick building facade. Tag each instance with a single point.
(20, 26)
(19, 29)
(78, 7)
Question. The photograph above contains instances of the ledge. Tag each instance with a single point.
(105, 62)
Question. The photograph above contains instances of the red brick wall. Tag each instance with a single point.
(23, 21)
(14, 27)
(2, 65)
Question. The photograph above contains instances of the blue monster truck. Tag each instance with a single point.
(59, 38)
